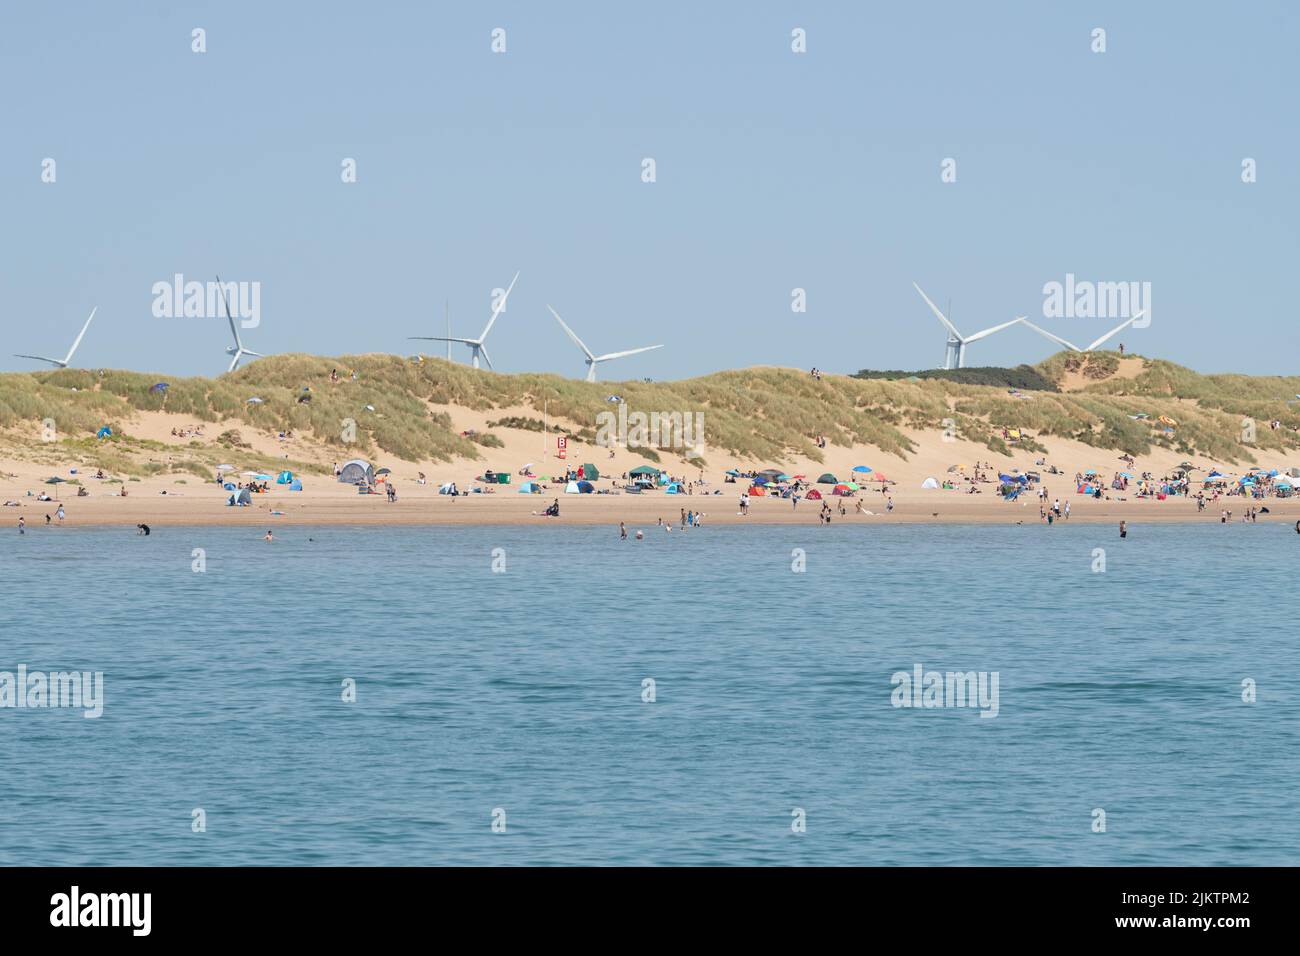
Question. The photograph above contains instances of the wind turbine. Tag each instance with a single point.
(955, 355)
(594, 360)
(63, 362)
(1074, 348)
(475, 345)
(237, 350)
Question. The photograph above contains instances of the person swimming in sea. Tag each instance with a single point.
(142, 529)
(269, 536)
(1123, 530)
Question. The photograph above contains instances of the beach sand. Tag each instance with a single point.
(189, 500)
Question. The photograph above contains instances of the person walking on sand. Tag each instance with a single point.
(889, 504)
(59, 514)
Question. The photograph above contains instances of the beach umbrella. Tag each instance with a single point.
(56, 480)
(1125, 474)
(225, 467)
(762, 480)
(384, 471)
(733, 472)
(862, 469)
(878, 476)
(852, 486)
(254, 401)
(159, 387)
(644, 470)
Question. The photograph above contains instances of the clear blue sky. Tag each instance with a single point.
(775, 171)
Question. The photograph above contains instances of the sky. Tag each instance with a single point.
(774, 171)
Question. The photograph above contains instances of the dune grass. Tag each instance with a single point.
(395, 406)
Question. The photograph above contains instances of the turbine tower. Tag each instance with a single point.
(63, 362)
(1074, 348)
(475, 345)
(955, 355)
(592, 359)
(237, 350)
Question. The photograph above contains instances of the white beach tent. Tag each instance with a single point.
(930, 483)
(572, 488)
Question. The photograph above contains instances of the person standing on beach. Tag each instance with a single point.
(889, 504)
(1067, 509)
(59, 514)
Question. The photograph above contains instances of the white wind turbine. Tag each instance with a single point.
(475, 345)
(1074, 348)
(592, 359)
(955, 355)
(237, 350)
(63, 362)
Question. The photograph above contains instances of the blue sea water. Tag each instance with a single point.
(522, 691)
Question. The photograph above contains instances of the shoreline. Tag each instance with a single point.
(636, 512)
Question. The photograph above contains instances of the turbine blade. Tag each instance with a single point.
(935, 309)
(1119, 328)
(573, 335)
(81, 335)
(500, 305)
(996, 328)
(482, 351)
(1055, 338)
(614, 355)
(231, 319)
(440, 338)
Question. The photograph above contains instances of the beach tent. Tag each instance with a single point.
(104, 432)
(586, 487)
(295, 485)
(644, 470)
(447, 488)
(245, 497)
(572, 488)
(828, 479)
(814, 495)
(763, 479)
(284, 478)
(589, 472)
(530, 488)
(673, 488)
(929, 483)
(1012, 479)
(758, 491)
(357, 471)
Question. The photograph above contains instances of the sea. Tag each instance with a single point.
(724, 695)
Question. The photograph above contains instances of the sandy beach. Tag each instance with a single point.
(172, 499)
